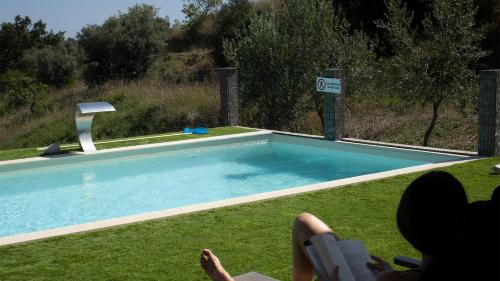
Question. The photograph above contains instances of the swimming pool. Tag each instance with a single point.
(54, 193)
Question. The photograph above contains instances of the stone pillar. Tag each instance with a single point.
(334, 108)
(489, 113)
(229, 105)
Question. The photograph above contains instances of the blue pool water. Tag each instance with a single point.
(56, 195)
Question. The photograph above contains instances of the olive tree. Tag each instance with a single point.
(232, 19)
(195, 8)
(124, 46)
(281, 53)
(434, 60)
(52, 65)
(21, 35)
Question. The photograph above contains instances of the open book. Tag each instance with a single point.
(325, 253)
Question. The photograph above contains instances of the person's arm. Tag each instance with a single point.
(334, 276)
(378, 264)
(383, 269)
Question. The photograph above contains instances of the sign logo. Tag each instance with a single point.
(328, 85)
(321, 84)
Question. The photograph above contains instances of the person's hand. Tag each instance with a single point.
(378, 264)
(333, 277)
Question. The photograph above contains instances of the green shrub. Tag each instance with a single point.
(52, 65)
(19, 90)
(124, 46)
(22, 35)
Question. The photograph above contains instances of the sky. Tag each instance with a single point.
(71, 15)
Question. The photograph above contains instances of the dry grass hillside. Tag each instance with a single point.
(378, 121)
(142, 108)
(180, 89)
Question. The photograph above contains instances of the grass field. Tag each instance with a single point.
(250, 237)
(212, 132)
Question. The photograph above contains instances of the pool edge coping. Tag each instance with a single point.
(98, 225)
(465, 153)
(133, 147)
(257, 132)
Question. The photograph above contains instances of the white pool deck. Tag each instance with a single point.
(20, 238)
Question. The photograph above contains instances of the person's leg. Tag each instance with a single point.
(304, 227)
(212, 266)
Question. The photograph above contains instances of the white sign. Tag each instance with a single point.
(328, 85)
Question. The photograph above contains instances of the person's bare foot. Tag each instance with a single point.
(212, 266)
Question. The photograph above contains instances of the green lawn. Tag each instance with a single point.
(33, 152)
(251, 237)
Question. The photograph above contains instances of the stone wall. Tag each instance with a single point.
(230, 112)
(489, 117)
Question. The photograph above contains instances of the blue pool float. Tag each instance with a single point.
(195, 131)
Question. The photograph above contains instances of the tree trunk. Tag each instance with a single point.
(32, 106)
(428, 132)
(319, 108)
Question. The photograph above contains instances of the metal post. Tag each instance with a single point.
(334, 108)
(489, 113)
(229, 96)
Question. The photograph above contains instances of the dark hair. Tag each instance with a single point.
(472, 251)
(496, 194)
(429, 208)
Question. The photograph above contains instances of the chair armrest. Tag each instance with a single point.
(407, 262)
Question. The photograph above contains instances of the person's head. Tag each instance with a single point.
(428, 210)
(496, 194)
(472, 251)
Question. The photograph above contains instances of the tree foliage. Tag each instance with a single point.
(199, 29)
(280, 55)
(435, 62)
(232, 19)
(208, 27)
(124, 46)
(262, 60)
(18, 89)
(53, 65)
(489, 14)
(196, 8)
(22, 35)
(30, 59)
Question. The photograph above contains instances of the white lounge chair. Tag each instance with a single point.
(253, 276)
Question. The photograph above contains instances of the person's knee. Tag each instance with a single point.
(308, 225)
(303, 219)
(301, 228)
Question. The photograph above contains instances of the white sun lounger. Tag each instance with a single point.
(253, 276)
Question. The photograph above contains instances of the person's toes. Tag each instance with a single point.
(210, 256)
(203, 263)
(207, 260)
(210, 263)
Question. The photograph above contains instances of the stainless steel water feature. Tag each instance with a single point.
(83, 116)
